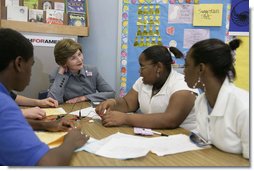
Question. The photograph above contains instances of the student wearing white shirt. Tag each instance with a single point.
(223, 109)
(160, 93)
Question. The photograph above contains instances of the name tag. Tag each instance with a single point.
(89, 74)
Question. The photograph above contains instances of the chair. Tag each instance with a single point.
(43, 94)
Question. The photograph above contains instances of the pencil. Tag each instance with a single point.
(159, 133)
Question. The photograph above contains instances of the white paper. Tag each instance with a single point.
(173, 144)
(124, 146)
(180, 13)
(192, 36)
(87, 112)
(54, 111)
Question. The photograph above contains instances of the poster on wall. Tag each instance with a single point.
(239, 18)
(146, 23)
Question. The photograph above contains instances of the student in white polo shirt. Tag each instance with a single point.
(222, 109)
(161, 94)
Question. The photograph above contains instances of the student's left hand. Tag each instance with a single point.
(77, 99)
(48, 102)
(113, 118)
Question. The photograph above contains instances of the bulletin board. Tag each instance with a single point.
(169, 23)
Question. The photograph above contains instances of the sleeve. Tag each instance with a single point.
(104, 90)
(19, 145)
(137, 85)
(179, 84)
(57, 86)
(242, 128)
(13, 95)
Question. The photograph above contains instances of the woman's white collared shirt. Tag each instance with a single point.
(159, 102)
(227, 126)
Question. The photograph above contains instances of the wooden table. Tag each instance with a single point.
(206, 157)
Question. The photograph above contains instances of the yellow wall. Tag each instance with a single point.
(242, 64)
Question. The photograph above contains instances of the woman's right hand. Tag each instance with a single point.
(75, 138)
(62, 69)
(104, 106)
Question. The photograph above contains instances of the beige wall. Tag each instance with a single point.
(242, 64)
(43, 66)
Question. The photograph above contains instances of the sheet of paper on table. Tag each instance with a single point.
(124, 146)
(87, 112)
(52, 139)
(54, 111)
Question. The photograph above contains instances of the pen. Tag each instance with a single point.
(199, 136)
(79, 115)
(59, 117)
(159, 133)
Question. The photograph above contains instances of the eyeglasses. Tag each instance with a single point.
(144, 66)
(198, 140)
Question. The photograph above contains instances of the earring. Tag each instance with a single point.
(158, 74)
(199, 82)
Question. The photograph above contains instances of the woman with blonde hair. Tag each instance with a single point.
(74, 81)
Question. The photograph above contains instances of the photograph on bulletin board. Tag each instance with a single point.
(171, 23)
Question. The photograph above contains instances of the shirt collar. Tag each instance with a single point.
(4, 90)
(148, 88)
(222, 99)
(82, 72)
(170, 77)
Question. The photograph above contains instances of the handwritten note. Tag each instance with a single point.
(207, 15)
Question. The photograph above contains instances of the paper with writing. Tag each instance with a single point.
(54, 111)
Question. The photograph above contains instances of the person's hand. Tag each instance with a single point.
(77, 99)
(48, 102)
(61, 125)
(62, 69)
(104, 106)
(34, 113)
(114, 118)
(75, 138)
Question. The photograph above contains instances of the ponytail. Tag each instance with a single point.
(177, 53)
(234, 44)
